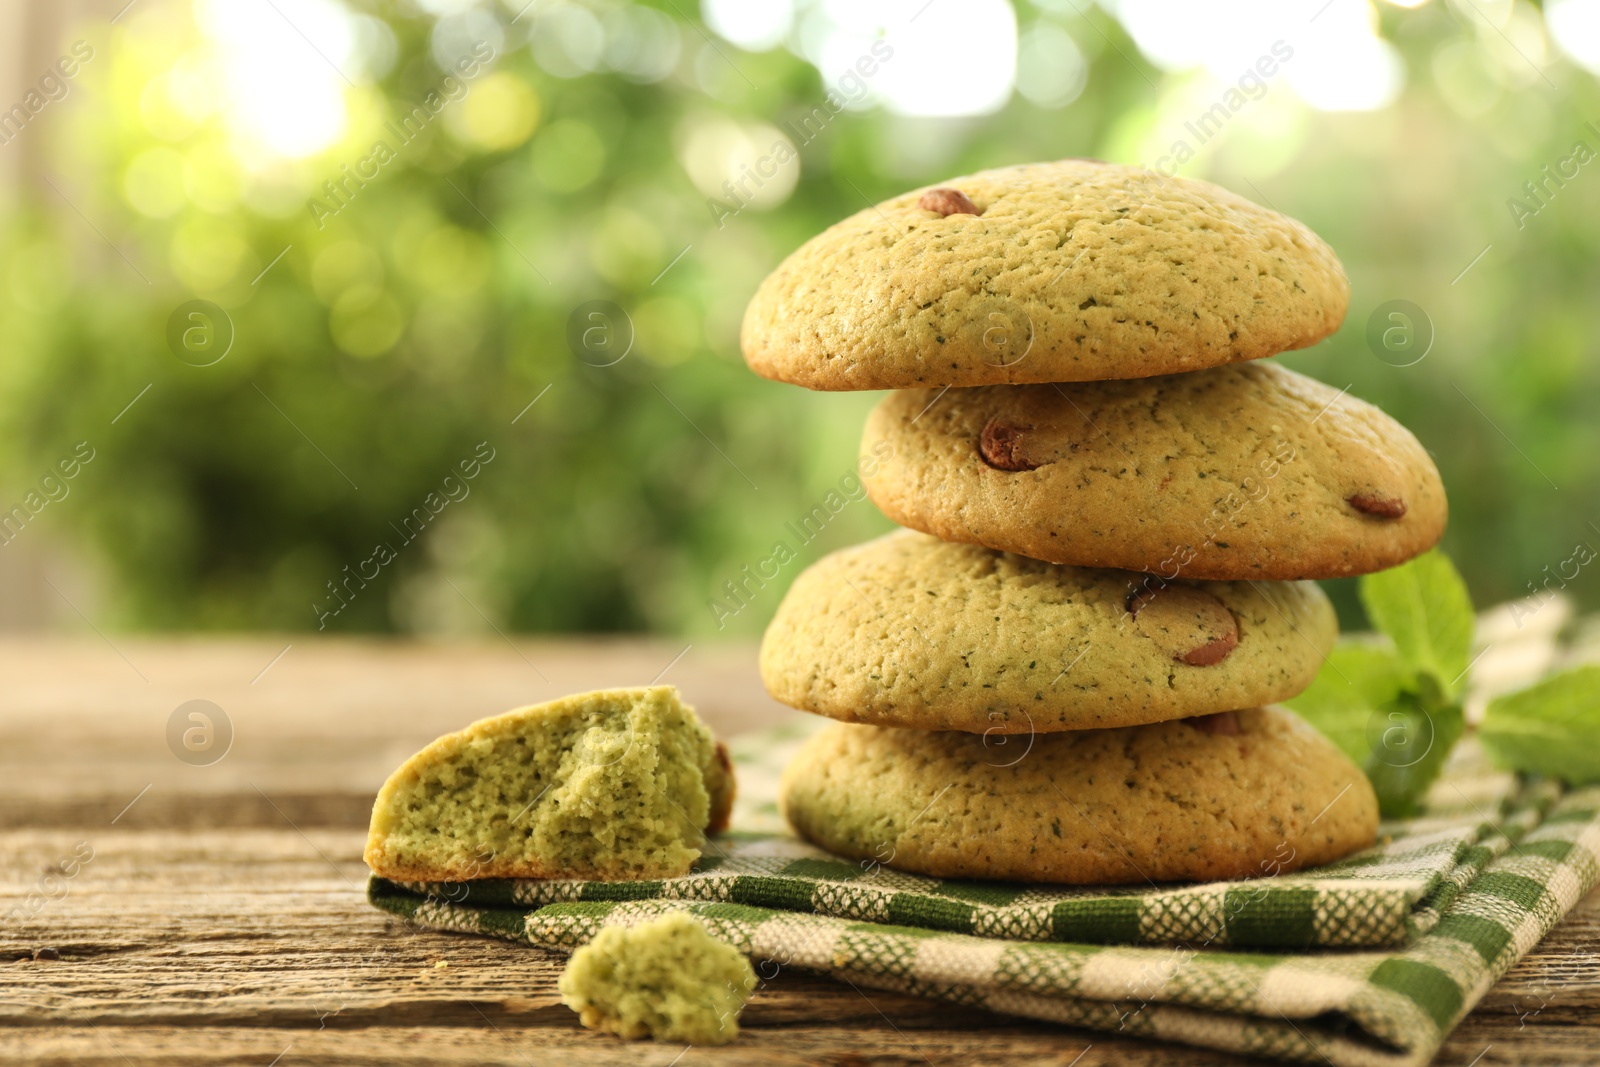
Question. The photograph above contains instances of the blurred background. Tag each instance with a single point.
(423, 317)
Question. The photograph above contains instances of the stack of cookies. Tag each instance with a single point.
(1065, 669)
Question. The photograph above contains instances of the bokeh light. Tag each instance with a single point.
(1575, 25)
(618, 151)
(281, 67)
(754, 25)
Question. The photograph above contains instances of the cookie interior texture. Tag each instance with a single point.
(667, 978)
(1165, 802)
(912, 631)
(1241, 472)
(620, 783)
(1074, 270)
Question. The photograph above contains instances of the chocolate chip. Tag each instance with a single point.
(1213, 651)
(46, 953)
(1223, 724)
(948, 202)
(1001, 443)
(1377, 505)
(1193, 627)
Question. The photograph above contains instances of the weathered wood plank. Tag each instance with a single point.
(221, 918)
(1494, 1044)
(188, 811)
(1483, 1041)
(875, 1044)
(78, 721)
(267, 930)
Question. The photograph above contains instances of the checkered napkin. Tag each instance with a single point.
(1424, 924)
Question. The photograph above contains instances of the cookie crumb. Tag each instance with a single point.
(666, 979)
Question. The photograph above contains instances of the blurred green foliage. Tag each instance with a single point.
(423, 318)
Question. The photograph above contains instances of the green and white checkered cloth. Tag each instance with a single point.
(1425, 923)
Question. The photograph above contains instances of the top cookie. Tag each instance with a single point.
(1068, 271)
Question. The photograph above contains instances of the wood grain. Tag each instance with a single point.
(221, 918)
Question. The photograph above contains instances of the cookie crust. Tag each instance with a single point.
(911, 631)
(1144, 804)
(612, 784)
(1074, 270)
(1243, 472)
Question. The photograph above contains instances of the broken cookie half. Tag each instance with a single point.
(615, 784)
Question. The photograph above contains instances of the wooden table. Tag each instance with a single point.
(221, 918)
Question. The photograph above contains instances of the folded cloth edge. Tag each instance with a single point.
(1362, 1009)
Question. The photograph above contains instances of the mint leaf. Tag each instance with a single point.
(1397, 726)
(1410, 743)
(1551, 728)
(1356, 682)
(1424, 608)
(1397, 711)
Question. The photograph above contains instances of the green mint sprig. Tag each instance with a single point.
(1393, 700)
(1552, 728)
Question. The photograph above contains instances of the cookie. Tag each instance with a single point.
(620, 783)
(1048, 272)
(911, 631)
(1243, 472)
(666, 979)
(1253, 793)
